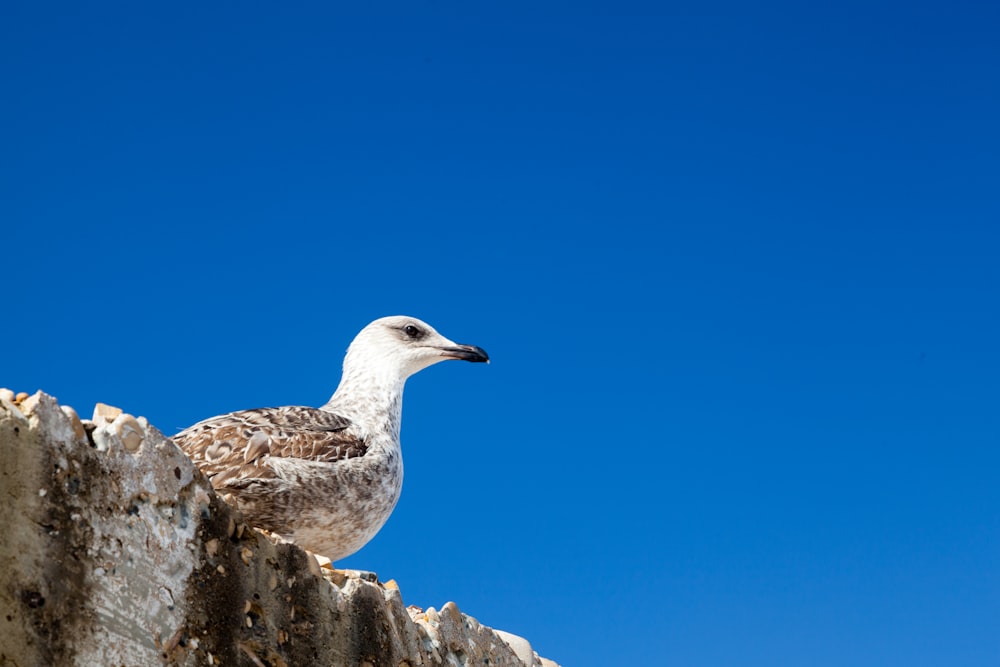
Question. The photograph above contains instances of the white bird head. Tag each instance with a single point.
(397, 347)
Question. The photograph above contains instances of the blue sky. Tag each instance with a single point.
(736, 267)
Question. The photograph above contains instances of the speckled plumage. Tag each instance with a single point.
(326, 478)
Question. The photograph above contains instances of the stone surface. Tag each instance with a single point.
(117, 551)
(521, 647)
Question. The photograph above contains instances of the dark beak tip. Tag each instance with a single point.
(479, 355)
(471, 353)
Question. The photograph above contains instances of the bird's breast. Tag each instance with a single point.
(332, 508)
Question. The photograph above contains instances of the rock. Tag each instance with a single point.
(105, 414)
(26, 403)
(74, 419)
(116, 550)
(128, 430)
(520, 646)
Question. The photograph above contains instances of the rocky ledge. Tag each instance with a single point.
(116, 551)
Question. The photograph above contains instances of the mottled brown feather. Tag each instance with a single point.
(239, 445)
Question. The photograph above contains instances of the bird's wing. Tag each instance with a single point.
(239, 444)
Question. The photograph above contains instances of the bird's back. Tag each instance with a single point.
(243, 444)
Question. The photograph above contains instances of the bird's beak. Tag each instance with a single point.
(465, 353)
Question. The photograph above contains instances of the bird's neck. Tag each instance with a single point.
(373, 401)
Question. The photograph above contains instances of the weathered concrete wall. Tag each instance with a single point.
(115, 550)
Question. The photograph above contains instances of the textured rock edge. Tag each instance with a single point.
(116, 550)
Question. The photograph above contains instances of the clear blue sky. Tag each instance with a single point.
(737, 266)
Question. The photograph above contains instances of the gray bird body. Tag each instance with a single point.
(326, 478)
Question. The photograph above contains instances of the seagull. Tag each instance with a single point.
(326, 478)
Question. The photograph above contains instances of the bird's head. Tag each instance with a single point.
(401, 346)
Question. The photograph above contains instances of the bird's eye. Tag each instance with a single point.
(411, 331)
